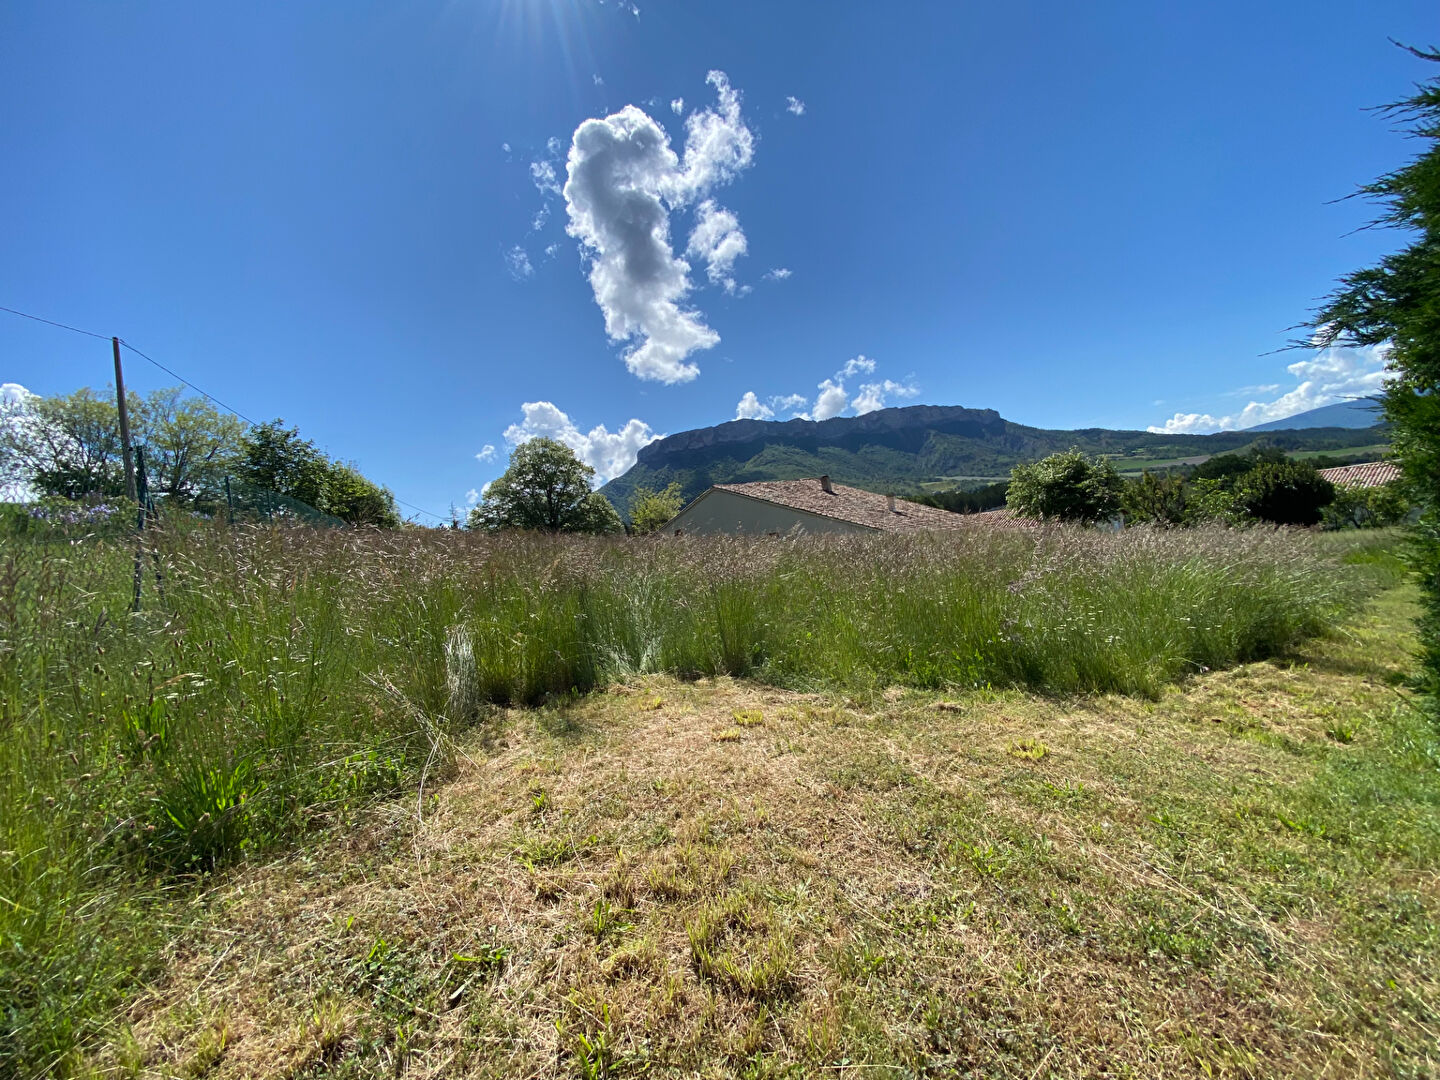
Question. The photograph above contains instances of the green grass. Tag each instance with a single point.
(288, 678)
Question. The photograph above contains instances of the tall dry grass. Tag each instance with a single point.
(288, 674)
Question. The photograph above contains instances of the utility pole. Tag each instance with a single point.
(130, 492)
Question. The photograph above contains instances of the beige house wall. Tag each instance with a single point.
(719, 511)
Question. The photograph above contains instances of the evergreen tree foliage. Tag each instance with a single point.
(1397, 302)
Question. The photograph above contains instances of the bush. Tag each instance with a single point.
(1066, 487)
(1288, 493)
(1366, 508)
(1158, 498)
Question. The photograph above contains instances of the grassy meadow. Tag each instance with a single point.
(332, 699)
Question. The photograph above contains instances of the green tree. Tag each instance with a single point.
(1397, 302)
(189, 444)
(545, 488)
(1286, 493)
(360, 501)
(278, 459)
(1366, 507)
(67, 445)
(1065, 487)
(1158, 497)
(651, 509)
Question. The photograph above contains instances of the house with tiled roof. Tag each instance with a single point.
(813, 505)
(1368, 475)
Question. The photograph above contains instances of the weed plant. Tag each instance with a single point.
(288, 674)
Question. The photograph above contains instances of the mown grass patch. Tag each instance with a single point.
(883, 887)
(289, 680)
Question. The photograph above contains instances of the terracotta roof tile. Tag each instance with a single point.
(849, 504)
(1370, 474)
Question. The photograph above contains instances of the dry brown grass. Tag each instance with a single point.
(643, 881)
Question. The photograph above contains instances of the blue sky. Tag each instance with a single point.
(343, 213)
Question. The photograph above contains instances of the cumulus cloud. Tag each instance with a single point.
(855, 366)
(517, 261)
(780, 273)
(752, 408)
(678, 106)
(794, 106)
(624, 179)
(1334, 374)
(487, 453)
(608, 453)
(831, 402)
(873, 396)
(717, 240)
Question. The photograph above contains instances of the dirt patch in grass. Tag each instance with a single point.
(714, 878)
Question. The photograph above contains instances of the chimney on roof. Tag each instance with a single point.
(825, 485)
(890, 503)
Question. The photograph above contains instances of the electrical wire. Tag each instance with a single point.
(175, 375)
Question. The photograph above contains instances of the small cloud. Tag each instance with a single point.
(718, 241)
(855, 366)
(517, 261)
(553, 145)
(542, 175)
(751, 408)
(608, 453)
(831, 402)
(541, 217)
(794, 106)
(552, 249)
(779, 273)
(791, 403)
(472, 496)
(597, 80)
(677, 106)
(505, 146)
(873, 396)
(487, 453)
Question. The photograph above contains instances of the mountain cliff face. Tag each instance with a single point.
(903, 449)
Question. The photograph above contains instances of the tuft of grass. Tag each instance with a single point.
(1028, 749)
(748, 717)
(727, 734)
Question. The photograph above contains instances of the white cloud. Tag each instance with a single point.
(831, 402)
(472, 496)
(780, 273)
(597, 80)
(855, 366)
(794, 404)
(623, 181)
(551, 250)
(794, 106)
(517, 261)
(487, 453)
(751, 408)
(542, 174)
(541, 217)
(678, 106)
(1334, 374)
(718, 241)
(872, 396)
(505, 146)
(608, 453)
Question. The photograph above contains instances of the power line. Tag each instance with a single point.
(188, 383)
(61, 325)
(175, 375)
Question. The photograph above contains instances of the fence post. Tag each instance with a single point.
(142, 494)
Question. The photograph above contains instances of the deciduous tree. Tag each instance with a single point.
(545, 488)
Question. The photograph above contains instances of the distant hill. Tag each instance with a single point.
(1363, 413)
(924, 447)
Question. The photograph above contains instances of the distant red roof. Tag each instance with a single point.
(1370, 474)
